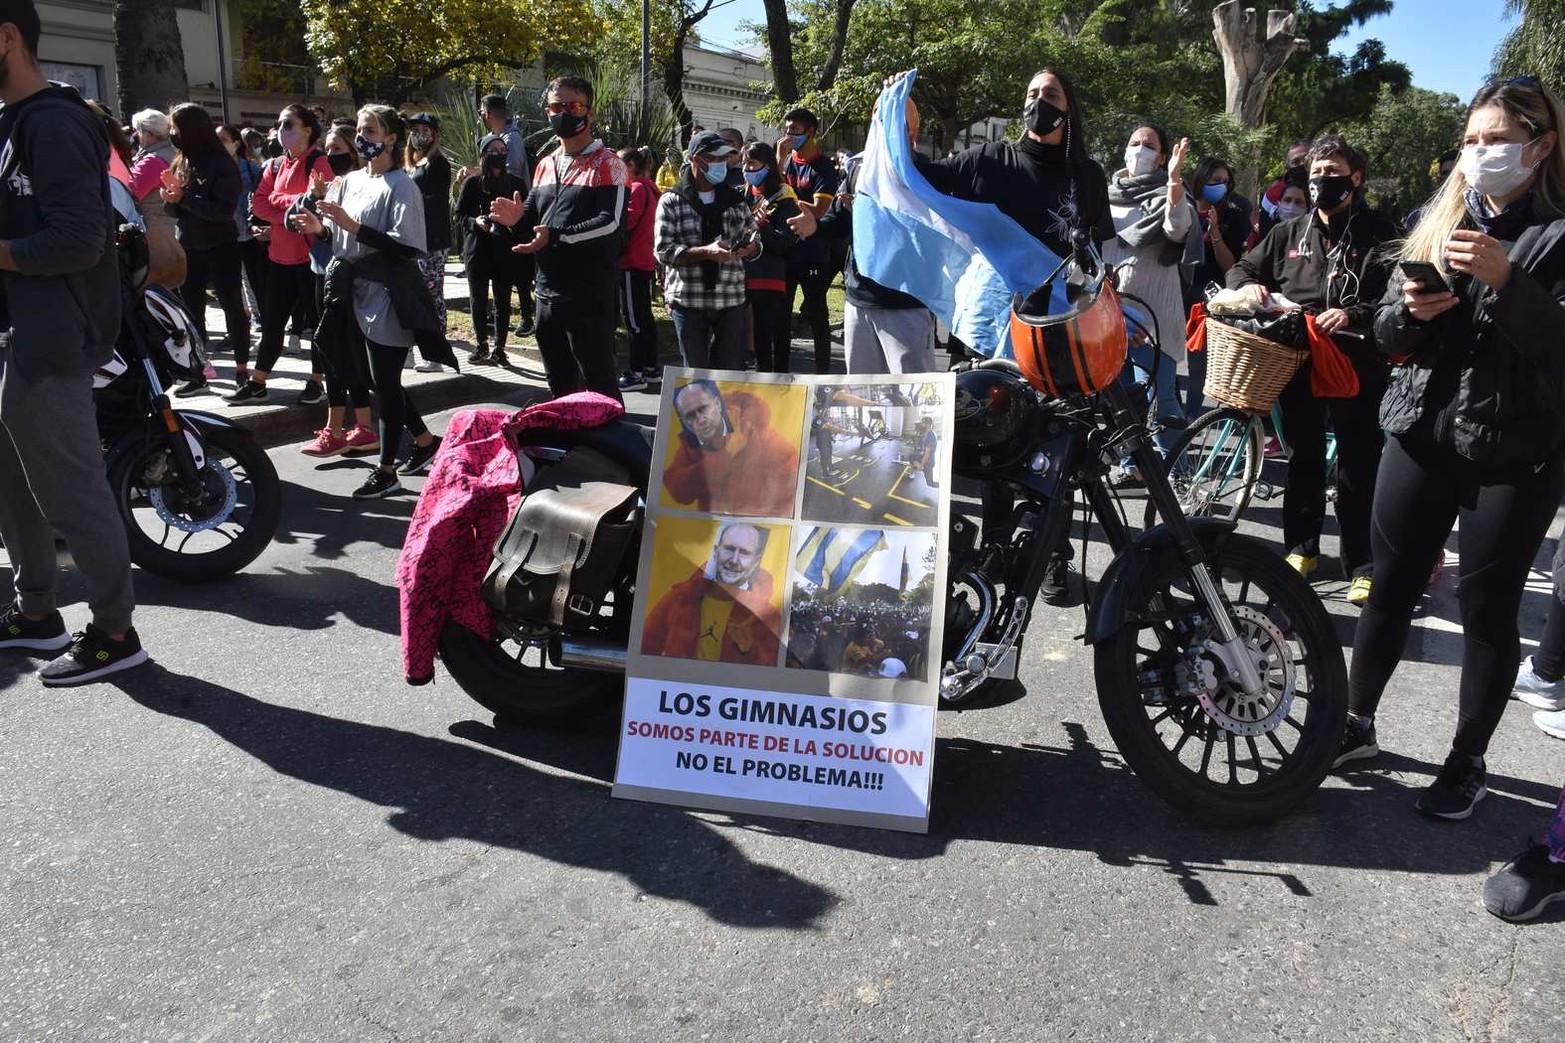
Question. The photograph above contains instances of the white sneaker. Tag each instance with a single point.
(432, 367)
(1535, 691)
(1551, 723)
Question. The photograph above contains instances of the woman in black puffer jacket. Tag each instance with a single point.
(1475, 413)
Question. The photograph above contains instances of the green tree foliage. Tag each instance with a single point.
(269, 48)
(1403, 136)
(389, 51)
(1537, 45)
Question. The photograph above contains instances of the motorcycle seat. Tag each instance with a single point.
(627, 444)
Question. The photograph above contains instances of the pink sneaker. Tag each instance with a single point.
(1273, 448)
(361, 440)
(327, 443)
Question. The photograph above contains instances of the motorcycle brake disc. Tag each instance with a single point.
(1226, 702)
(158, 495)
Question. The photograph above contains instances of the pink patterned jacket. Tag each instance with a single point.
(472, 489)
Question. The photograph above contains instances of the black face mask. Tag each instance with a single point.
(1042, 118)
(567, 125)
(1327, 193)
(340, 163)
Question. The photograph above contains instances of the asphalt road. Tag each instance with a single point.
(267, 835)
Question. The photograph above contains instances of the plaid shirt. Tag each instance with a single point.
(679, 229)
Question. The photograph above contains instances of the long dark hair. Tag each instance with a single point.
(1075, 136)
(198, 138)
(243, 151)
(1204, 169)
(310, 121)
(764, 153)
(118, 140)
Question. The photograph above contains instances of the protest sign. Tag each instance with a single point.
(785, 654)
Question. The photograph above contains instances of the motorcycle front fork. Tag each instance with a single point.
(1192, 555)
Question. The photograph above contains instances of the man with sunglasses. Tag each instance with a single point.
(572, 222)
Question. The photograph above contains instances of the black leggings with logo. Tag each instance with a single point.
(1421, 491)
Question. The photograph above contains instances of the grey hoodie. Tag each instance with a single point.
(61, 312)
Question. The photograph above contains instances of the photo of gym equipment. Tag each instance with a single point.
(874, 455)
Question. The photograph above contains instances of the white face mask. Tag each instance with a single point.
(1288, 211)
(1140, 159)
(1495, 170)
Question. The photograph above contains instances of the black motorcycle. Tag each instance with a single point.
(199, 496)
(1218, 670)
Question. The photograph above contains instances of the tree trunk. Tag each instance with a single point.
(839, 41)
(148, 56)
(674, 66)
(1251, 62)
(779, 43)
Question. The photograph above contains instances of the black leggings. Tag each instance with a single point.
(1421, 490)
(396, 408)
(635, 308)
(1356, 422)
(219, 267)
(478, 284)
(290, 288)
(252, 258)
(769, 319)
(814, 279)
(1548, 662)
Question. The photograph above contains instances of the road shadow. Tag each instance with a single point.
(310, 598)
(1078, 796)
(443, 790)
(328, 520)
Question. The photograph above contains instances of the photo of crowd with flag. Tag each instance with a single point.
(844, 621)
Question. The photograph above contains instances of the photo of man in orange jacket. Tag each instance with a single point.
(730, 459)
(727, 611)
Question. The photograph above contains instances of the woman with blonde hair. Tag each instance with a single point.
(1475, 414)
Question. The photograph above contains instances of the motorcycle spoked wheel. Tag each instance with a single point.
(1166, 699)
(191, 542)
(521, 682)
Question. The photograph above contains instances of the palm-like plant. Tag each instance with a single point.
(1536, 46)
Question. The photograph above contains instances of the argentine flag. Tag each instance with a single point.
(964, 260)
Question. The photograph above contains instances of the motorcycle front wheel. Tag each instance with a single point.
(1174, 705)
(204, 537)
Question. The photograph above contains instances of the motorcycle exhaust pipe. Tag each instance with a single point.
(591, 653)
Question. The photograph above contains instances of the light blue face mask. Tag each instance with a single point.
(799, 141)
(756, 177)
(1214, 193)
(716, 173)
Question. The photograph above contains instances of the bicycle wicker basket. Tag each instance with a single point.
(1245, 370)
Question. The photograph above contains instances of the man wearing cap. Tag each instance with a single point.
(573, 223)
(705, 232)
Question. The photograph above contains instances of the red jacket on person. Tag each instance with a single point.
(754, 470)
(282, 183)
(749, 636)
(640, 224)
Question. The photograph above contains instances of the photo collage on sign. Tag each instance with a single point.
(798, 527)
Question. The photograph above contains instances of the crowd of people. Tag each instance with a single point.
(867, 636)
(339, 230)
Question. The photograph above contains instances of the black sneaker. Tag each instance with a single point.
(1525, 886)
(418, 460)
(633, 381)
(93, 655)
(1055, 588)
(1358, 743)
(378, 484)
(479, 355)
(499, 358)
(313, 393)
(32, 635)
(526, 328)
(191, 387)
(653, 377)
(250, 392)
(1458, 787)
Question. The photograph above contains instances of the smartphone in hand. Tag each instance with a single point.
(1425, 273)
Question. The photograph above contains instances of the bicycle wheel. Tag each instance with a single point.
(1215, 464)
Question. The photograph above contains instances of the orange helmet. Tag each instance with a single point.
(1077, 352)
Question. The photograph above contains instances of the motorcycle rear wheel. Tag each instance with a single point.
(518, 687)
(1251, 771)
(192, 544)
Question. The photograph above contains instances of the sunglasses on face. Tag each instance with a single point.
(575, 108)
(285, 124)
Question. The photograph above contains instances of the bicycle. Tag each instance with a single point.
(1215, 465)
